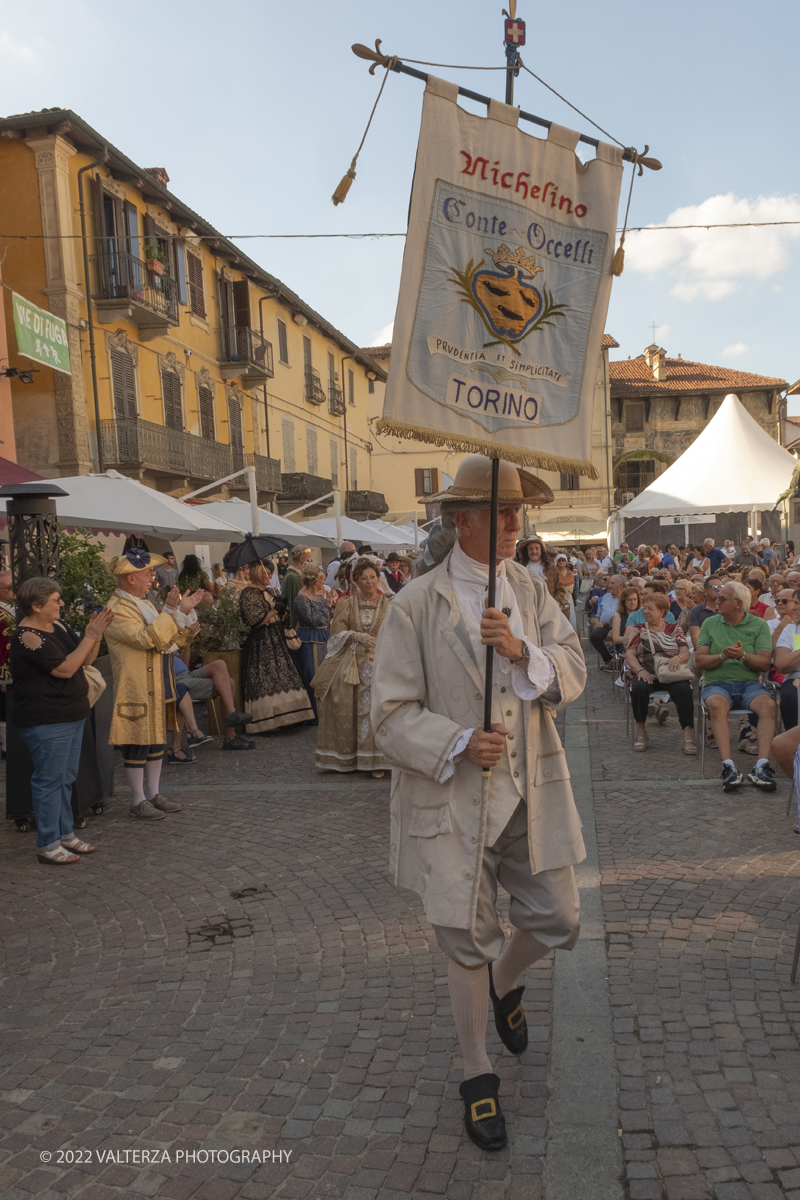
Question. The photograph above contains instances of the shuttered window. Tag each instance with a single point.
(235, 416)
(206, 400)
(351, 390)
(173, 411)
(287, 428)
(334, 463)
(197, 302)
(569, 483)
(180, 267)
(426, 482)
(307, 353)
(353, 469)
(311, 450)
(634, 418)
(283, 342)
(123, 380)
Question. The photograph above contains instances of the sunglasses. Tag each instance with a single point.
(785, 602)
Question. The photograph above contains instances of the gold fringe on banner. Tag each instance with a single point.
(472, 445)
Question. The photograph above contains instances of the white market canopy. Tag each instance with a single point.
(113, 503)
(358, 532)
(733, 466)
(237, 512)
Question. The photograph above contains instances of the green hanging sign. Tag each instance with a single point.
(40, 335)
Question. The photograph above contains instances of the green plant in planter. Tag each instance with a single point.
(221, 627)
(152, 249)
(85, 581)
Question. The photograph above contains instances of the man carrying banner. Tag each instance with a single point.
(455, 836)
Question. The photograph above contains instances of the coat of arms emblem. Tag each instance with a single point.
(508, 303)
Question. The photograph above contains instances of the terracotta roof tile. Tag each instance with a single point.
(378, 351)
(633, 377)
(608, 340)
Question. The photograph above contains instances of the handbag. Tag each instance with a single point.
(96, 682)
(292, 640)
(664, 674)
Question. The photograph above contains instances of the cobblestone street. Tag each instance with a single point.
(244, 977)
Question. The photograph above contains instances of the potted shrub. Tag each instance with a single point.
(222, 632)
(154, 257)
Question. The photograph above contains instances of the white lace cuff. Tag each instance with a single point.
(181, 619)
(449, 767)
(530, 684)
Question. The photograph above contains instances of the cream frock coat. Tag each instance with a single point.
(427, 689)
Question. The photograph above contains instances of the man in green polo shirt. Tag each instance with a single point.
(733, 648)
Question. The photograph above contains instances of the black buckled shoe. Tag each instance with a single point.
(509, 1019)
(483, 1119)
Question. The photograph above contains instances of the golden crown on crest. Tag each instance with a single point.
(515, 258)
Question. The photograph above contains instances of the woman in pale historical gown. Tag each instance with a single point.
(343, 683)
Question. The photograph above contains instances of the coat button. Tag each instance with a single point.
(516, 774)
(511, 737)
(508, 712)
(477, 695)
(476, 801)
(513, 754)
(473, 839)
(468, 874)
(150, 669)
(547, 774)
(404, 704)
(502, 689)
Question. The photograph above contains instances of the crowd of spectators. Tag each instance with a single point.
(724, 618)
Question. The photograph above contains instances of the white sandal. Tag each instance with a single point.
(58, 857)
(76, 846)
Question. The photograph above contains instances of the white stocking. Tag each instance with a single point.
(469, 996)
(152, 777)
(136, 783)
(520, 951)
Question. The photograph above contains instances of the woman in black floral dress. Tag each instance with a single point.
(271, 687)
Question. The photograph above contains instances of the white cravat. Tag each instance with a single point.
(470, 582)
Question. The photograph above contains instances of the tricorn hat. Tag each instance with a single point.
(134, 560)
(473, 485)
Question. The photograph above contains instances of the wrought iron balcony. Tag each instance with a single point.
(368, 504)
(145, 445)
(335, 401)
(125, 290)
(314, 390)
(246, 355)
(268, 473)
(297, 485)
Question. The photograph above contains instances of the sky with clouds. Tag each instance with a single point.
(256, 108)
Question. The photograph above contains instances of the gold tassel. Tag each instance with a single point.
(345, 184)
(618, 264)
(351, 674)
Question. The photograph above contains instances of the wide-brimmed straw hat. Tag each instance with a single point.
(473, 485)
(134, 560)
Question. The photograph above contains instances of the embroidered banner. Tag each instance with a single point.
(505, 287)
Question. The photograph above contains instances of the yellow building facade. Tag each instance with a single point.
(411, 470)
(202, 362)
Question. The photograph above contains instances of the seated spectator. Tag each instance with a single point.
(605, 560)
(654, 558)
(624, 554)
(786, 749)
(669, 559)
(756, 582)
(733, 648)
(705, 608)
(200, 684)
(606, 608)
(642, 557)
(712, 557)
(659, 636)
(766, 555)
(628, 603)
(595, 595)
(681, 606)
(786, 640)
(728, 548)
(745, 557)
(777, 583)
(791, 557)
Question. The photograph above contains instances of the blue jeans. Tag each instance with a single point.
(56, 753)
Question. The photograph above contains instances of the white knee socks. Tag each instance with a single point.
(520, 951)
(152, 778)
(469, 996)
(136, 784)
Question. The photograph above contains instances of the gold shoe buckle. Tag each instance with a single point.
(515, 1018)
(488, 1104)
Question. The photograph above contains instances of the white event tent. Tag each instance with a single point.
(237, 512)
(359, 532)
(113, 503)
(733, 466)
